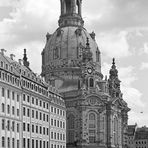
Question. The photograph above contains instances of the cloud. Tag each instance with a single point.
(144, 66)
(29, 21)
(145, 48)
(118, 14)
(114, 44)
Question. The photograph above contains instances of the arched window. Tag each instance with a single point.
(91, 82)
(68, 6)
(92, 127)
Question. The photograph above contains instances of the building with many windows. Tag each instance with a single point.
(28, 104)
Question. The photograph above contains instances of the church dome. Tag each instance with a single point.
(63, 50)
(66, 44)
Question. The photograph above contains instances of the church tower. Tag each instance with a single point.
(71, 61)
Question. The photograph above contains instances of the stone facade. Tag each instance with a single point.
(97, 115)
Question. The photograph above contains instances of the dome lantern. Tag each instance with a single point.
(71, 13)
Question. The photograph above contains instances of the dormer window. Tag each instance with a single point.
(6, 66)
(2, 64)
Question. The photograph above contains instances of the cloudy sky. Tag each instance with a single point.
(121, 27)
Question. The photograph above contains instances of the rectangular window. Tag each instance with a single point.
(3, 107)
(28, 112)
(18, 98)
(8, 109)
(28, 99)
(28, 143)
(32, 100)
(55, 110)
(24, 97)
(8, 125)
(24, 126)
(43, 117)
(40, 143)
(33, 128)
(43, 144)
(32, 113)
(32, 143)
(18, 112)
(47, 117)
(3, 141)
(40, 130)
(40, 116)
(18, 143)
(13, 143)
(51, 109)
(8, 93)
(40, 103)
(24, 143)
(51, 135)
(36, 129)
(3, 92)
(36, 101)
(13, 126)
(52, 122)
(44, 130)
(13, 110)
(28, 127)
(13, 96)
(47, 131)
(36, 143)
(43, 104)
(18, 127)
(24, 111)
(3, 124)
(8, 141)
(36, 114)
(47, 106)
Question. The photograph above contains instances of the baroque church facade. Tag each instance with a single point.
(97, 115)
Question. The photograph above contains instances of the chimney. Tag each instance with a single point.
(12, 56)
(25, 62)
(20, 61)
(3, 51)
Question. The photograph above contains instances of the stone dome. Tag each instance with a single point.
(62, 55)
(66, 42)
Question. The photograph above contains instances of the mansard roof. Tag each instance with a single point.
(141, 133)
